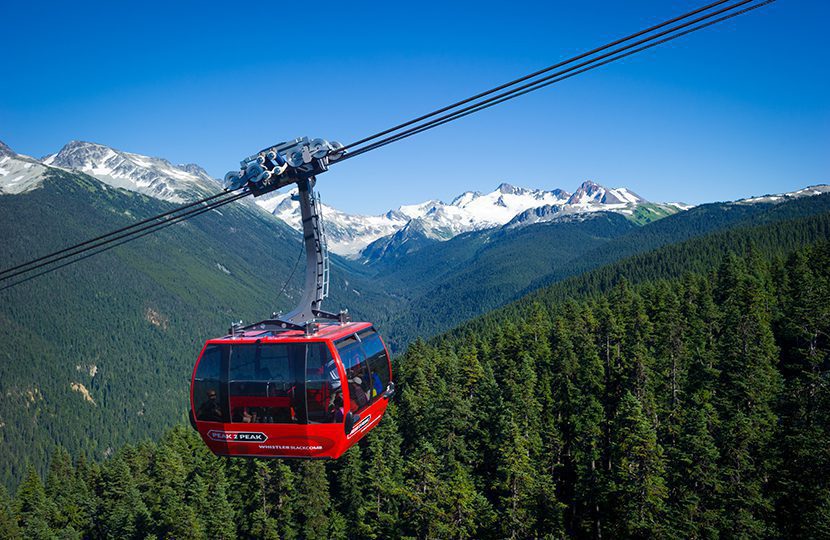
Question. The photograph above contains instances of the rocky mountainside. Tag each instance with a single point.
(151, 176)
(18, 173)
(411, 227)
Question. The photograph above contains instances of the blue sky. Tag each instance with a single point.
(736, 110)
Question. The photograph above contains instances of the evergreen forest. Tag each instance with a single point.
(689, 406)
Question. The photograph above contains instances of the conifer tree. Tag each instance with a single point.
(748, 388)
(803, 495)
(68, 493)
(209, 500)
(693, 474)
(381, 486)
(172, 514)
(516, 486)
(638, 484)
(464, 512)
(349, 474)
(33, 507)
(589, 424)
(421, 491)
(122, 512)
(264, 498)
(88, 476)
(417, 378)
(313, 498)
(9, 530)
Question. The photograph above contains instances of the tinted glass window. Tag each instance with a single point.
(266, 383)
(209, 396)
(378, 361)
(357, 372)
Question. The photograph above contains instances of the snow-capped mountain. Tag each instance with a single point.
(413, 225)
(407, 227)
(590, 195)
(18, 173)
(151, 176)
(435, 220)
(809, 191)
(346, 234)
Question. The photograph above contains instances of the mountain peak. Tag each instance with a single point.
(5, 150)
(193, 168)
(509, 189)
(591, 193)
(18, 173)
(465, 198)
(77, 154)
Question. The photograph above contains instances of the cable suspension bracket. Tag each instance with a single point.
(295, 162)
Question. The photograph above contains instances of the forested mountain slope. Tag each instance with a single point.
(771, 239)
(447, 283)
(484, 270)
(99, 354)
(684, 408)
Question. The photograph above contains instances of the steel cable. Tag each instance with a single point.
(531, 75)
(547, 81)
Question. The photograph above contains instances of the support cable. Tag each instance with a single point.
(582, 67)
(534, 74)
(557, 77)
(113, 242)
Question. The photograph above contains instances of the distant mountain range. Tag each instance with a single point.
(402, 230)
(349, 234)
(373, 237)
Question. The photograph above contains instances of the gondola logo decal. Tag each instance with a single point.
(237, 436)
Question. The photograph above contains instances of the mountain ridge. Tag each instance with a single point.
(367, 239)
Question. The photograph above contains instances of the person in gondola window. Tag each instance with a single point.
(210, 411)
(337, 406)
(359, 397)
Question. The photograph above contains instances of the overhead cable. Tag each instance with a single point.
(561, 75)
(112, 242)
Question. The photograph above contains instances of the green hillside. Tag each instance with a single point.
(474, 273)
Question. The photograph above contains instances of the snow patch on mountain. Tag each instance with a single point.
(18, 173)
(416, 224)
(589, 197)
(430, 220)
(809, 191)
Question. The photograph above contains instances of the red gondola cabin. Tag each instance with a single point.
(266, 393)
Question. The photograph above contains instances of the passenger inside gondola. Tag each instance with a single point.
(210, 410)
